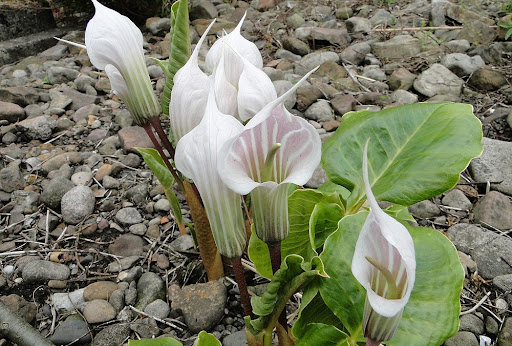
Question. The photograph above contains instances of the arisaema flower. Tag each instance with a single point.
(196, 157)
(241, 87)
(275, 149)
(384, 263)
(115, 44)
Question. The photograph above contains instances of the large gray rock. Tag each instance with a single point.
(53, 192)
(494, 165)
(157, 25)
(73, 328)
(57, 74)
(400, 46)
(44, 270)
(358, 24)
(201, 304)
(37, 128)
(295, 45)
(320, 111)
(77, 204)
(355, 53)
(312, 60)
(462, 339)
(11, 178)
(494, 209)
(11, 112)
(203, 9)
(462, 64)
(150, 287)
(438, 80)
(490, 251)
(337, 37)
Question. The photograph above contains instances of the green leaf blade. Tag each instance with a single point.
(155, 342)
(319, 334)
(415, 151)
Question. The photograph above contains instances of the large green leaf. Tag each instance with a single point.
(323, 221)
(156, 164)
(155, 342)
(415, 151)
(319, 334)
(180, 48)
(432, 313)
(259, 255)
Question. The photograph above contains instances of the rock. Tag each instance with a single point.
(11, 177)
(456, 199)
(424, 209)
(155, 71)
(59, 160)
(98, 311)
(401, 78)
(128, 216)
(116, 299)
(202, 304)
(55, 190)
(138, 229)
(112, 335)
(59, 100)
(477, 32)
(343, 104)
(110, 183)
(68, 301)
(374, 72)
(462, 64)
(312, 60)
(97, 135)
(331, 70)
(491, 326)
(503, 282)
(438, 80)
(462, 339)
(318, 178)
(338, 37)
(295, 45)
(132, 137)
(458, 46)
(150, 287)
(37, 128)
(20, 306)
(22, 96)
(182, 243)
(320, 111)
(344, 12)
(58, 75)
(295, 20)
(158, 308)
(471, 323)
(400, 46)
(122, 264)
(130, 276)
(382, 18)
(490, 251)
(77, 204)
(11, 112)
(355, 53)
(82, 178)
(494, 209)
(488, 80)
(162, 205)
(56, 52)
(44, 270)
(99, 290)
(494, 165)
(126, 245)
(505, 336)
(404, 97)
(157, 25)
(306, 95)
(282, 86)
(72, 328)
(236, 339)
(203, 9)
(358, 24)
(83, 112)
(79, 99)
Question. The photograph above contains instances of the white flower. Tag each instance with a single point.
(384, 263)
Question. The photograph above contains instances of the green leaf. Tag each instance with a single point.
(399, 212)
(206, 339)
(155, 163)
(319, 334)
(155, 342)
(323, 221)
(329, 187)
(259, 255)
(415, 151)
(342, 293)
(432, 313)
(180, 48)
(293, 274)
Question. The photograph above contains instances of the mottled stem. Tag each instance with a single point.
(372, 343)
(155, 122)
(275, 259)
(242, 286)
(160, 150)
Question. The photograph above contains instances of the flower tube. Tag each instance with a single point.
(115, 44)
(384, 264)
(196, 157)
